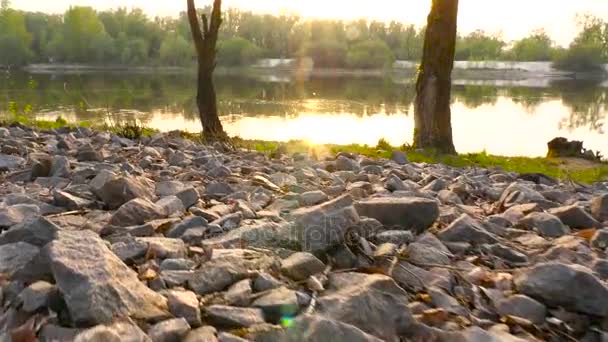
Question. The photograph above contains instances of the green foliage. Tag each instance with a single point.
(238, 51)
(580, 57)
(479, 46)
(15, 40)
(536, 47)
(326, 53)
(370, 54)
(176, 51)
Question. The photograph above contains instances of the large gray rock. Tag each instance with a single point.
(96, 285)
(321, 329)
(202, 334)
(522, 306)
(14, 256)
(116, 191)
(372, 303)
(8, 162)
(36, 296)
(17, 213)
(300, 266)
(41, 165)
(346, 164)
(320, 227)
(69, 201)
(572, 287)
(518, 193)
(546, 224)
(116, 332)
(399, 157)
(217, 275)
(136, 212)
(600, 239)
(233, 317)
(60, 167)
(575, 217)
(37, 232)
(416, 214)
(466, 229)
(599, 207)
(171, 330)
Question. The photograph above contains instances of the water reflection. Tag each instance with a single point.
(502, 117)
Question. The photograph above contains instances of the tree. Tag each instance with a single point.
(432, 115)
(479, 46)
(14, 38)
(370, 54)
(536, 47)
(238, 51)
(205, 42)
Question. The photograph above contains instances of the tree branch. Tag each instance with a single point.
(197, 35)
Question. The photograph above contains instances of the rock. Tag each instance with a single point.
(399, 157)
(217, 275)
(14, 256)
(546, 224)
(127, 251)
(115, 192)
(164, 248)
(69, 201)
(351, 296)
(466, 229)
(226, 337)
(599, 207)
(321, 329)
(278, 303)
(95, 284)
(264, 282)
(171, 330)
(171, 206)
(239, 294)
(572, 287)
(136, 212)
(398, 237)
(416, 214)
(169, 188)
(600, 239)
(193, 222)
(37, 232)
(36, 296)
(41, 165)
(346, 164)
(575, 217)
(202, 334)
(60, 167)
(300, 266)
(116, 332)
(506, 253)
(522, 306)
(233, 317)
(54, 333)
(184, 304)
(89, 154)
(320, 227)
(518, 193)
(419, 253)
(189, 197)
(17, 213)
(313, 198)
(217, 189)
(177, 264)
(8, 162)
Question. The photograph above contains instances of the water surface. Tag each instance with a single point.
(501, 117)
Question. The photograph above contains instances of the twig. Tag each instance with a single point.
(69, 213)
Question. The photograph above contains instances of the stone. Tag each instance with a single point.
(60, 167)
(89, 154)
(116, 191)
(419, 253)
(96, 285)
(278, 303)
(217, 189)
(41, 165)
(36, 296)
(37, 232)
(506, 253)
(546, 224)
(17, 213)
(202, 334)
(15, 256)
(239, 294)
(321, 329)
(169, 188)
(184, 304)
(347, 164)
(320, 227)
(179, 264)
(171, 206)
(399, 157)
(522, 306)
(226, 337)
(189, 223)
(575, 217)
(466, 229)
(301, 265)
(572, 287)
(264, 282)
(312, 198)
(8, 162)
(136, 212)
(599, 207)
(127, 251)
(116, 332)
(518, 193)
(171, 330)
(372, 303)
(416, 214)
(233, 317)
(448, 197)
(164, 248)
(189, 197)
(69, 201)
(398, 237)
(600, 239)
(217, 275)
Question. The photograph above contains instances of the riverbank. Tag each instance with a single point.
(509, 71)
(568, 169)
(159, 237)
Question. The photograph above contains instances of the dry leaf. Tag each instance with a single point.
(586, 234)
(434, 317)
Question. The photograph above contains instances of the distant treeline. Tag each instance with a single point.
(122, 37)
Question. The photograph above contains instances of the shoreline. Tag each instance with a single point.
(480, 73)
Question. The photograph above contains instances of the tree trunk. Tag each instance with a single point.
(432, 113)
(205, 42)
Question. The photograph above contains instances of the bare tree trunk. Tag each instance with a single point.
(433, 89)
(205, 42)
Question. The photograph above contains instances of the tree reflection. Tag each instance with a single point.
(588, 104)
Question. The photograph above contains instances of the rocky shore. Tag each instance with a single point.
(109, 239)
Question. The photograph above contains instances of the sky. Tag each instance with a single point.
(514, 19)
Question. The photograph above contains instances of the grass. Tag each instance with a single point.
(561, 168)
